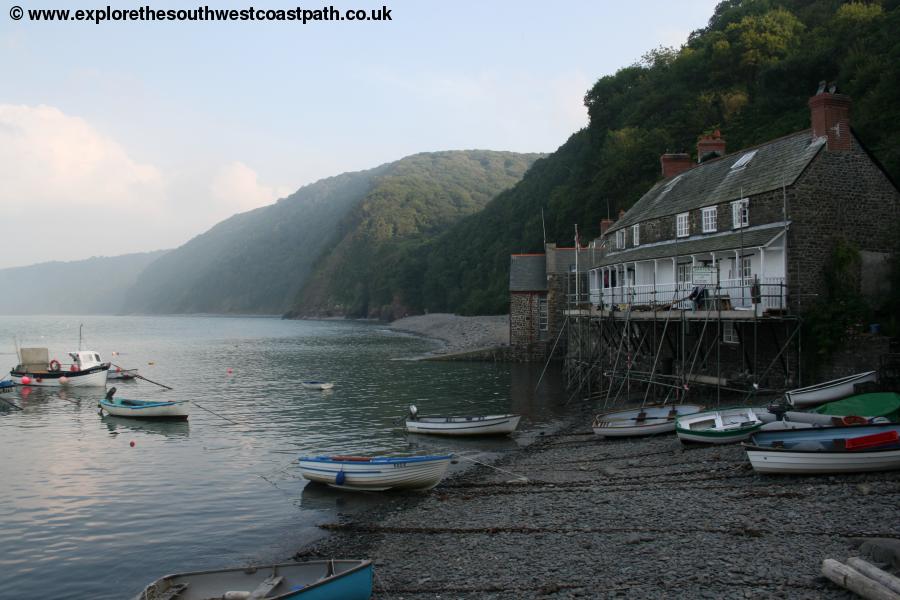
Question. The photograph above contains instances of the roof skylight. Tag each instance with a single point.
(742, 161)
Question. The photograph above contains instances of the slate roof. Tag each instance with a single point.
(776, 163)
(528, 273)
(752, 238)
(562, 260)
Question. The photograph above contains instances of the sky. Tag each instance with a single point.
(129, 137)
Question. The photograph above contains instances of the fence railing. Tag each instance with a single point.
(729, 294)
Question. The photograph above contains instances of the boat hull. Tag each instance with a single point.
(827, 391)
(93, 377)
(351, 580)
(410, 473)
(465, 426)
(774, 461)
(628, 423)
(147, 410)
(824, 450)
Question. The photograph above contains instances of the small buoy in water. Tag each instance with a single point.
(63, 380)
(230, 370)
(26, 380)
(151, 363)
(118, 369)
(131, 443)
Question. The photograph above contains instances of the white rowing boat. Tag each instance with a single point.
(462, 426)
(851, 449)
(723, 426)
(647, 420)
(376, 473)
(827, 390)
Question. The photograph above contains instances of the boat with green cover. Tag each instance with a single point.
(875, 404)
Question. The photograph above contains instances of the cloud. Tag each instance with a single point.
(236, 187)
(55, 161)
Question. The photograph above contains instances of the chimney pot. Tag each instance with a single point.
(830, 116)
(710, 146)
(674, 164)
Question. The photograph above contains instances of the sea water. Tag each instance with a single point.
(97, 507)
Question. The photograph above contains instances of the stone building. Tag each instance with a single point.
(741, 241)
(541, 287)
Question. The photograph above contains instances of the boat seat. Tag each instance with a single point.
(263, 589)
(170, 594)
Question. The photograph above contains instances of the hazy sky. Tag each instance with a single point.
(119, 138)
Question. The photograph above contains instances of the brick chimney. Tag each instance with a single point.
(605, 224)
(831, 120)
(674, 164)
(710, 146)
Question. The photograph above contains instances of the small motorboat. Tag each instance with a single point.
(120, 374)
(479, 425)
(315, 579)
(846, 449)
(143, 409)
(827, 391)
(317, 385)
(376, 473)
(723, 426)
(7, 385)
(36, 368)
(647, 420)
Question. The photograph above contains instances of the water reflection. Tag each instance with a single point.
(168, 428)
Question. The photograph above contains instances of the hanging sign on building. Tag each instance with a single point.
(704, 275)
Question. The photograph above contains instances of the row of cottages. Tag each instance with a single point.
(753, 229)
(746, 235)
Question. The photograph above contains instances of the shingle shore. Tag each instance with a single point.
(639, 518)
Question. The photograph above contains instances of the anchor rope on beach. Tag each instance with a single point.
(484, 464)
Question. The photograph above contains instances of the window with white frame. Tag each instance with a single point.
(740, 213)
(620, 239)
(682, 225)
(743, 161)
(684, 273)
(542, 314)
(729, 333)
(746, 271)
(636, 235)
(709, 219)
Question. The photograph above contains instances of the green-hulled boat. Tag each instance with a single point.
(876, 404)
(722, 426)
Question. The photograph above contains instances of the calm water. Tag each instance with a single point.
(85, 515)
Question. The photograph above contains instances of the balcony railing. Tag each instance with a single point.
(729, 294)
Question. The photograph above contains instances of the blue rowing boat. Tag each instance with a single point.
(310, 580)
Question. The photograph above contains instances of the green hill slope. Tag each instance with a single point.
(84, 287)
(376, 269)
(750, 73)
(258, 262)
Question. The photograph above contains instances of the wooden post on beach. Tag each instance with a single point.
(851, 579)
(872, 572)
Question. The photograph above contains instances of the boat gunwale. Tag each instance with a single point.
(378, 460)
(828, 384)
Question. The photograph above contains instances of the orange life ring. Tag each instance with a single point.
(54, 365)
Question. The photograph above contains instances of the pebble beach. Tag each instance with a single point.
(458, 333)
(572, 515)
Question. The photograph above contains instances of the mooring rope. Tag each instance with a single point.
(215, 413)
(483, 464)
